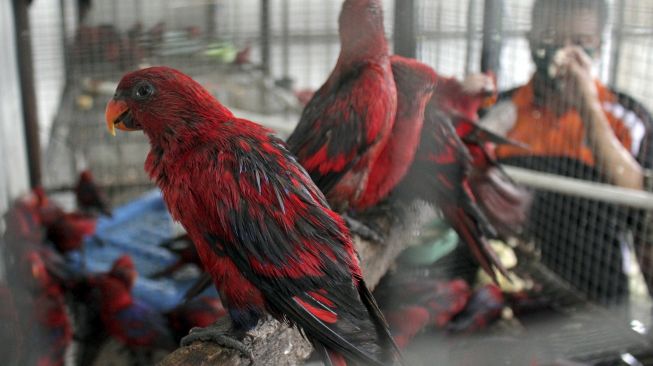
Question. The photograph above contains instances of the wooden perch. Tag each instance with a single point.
(275, 344)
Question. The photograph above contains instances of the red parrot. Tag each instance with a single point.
(262, 228)
(348, 121)
(23, 223)
(441, 299)
(49, 212)
(407, 322)
(413, 304)
(504, 204)
(67, 233)
(135, 324)
(200, 312)
(483, 308)
(439, 175)
(47, 329)
(415, 83)
(89, 196)
(183, 247)
(244, 55)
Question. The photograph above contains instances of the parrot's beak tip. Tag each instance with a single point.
(115, 115)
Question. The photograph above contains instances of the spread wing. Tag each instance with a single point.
(439, 176)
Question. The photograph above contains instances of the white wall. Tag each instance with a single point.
(13, 162)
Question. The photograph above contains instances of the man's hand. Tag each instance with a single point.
(573, 67)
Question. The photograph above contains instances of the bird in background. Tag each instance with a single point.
(44, 320)
(133, 323)
(415, 83)
(68, 231)
(263, 229)
(23, 226)
(484, 307)
(504, 203)
(90, 198)
(439, 175)
(346, 124)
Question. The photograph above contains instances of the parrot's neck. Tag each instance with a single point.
(355, 50)
(184, 134)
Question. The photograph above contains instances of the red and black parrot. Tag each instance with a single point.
(132, 322)
(504, 203)
(348, 121)
(415, 83)
(439, 175)
(90, 198)
(263, 229)
(47, 328)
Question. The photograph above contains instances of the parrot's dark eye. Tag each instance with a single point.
(143, 91)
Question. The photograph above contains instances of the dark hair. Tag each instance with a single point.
(540, 7)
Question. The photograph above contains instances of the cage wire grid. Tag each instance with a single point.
(88, 47)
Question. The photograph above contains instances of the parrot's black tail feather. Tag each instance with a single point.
(381, 323)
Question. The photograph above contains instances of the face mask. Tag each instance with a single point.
(543, 58)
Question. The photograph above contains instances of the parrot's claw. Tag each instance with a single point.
(218, 335)
(362, 230)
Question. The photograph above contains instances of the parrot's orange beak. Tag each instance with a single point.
(116, 114)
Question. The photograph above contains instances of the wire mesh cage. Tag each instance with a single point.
(589, 249)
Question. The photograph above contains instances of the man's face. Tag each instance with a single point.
(560, 28)
(563, 27)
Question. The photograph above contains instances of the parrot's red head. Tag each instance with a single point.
(124, 269)
(41, 198)
(361, 26)
(162, 102)
(86, 176)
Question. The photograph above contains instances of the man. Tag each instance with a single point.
(577, 127)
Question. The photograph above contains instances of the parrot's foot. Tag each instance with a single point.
(219, 333)
(362, 230)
